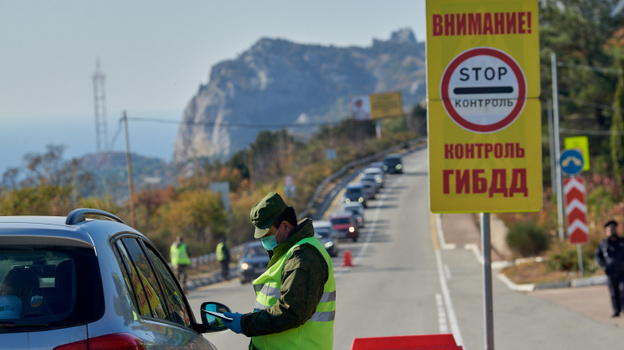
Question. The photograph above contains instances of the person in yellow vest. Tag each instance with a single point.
(296, 295)
(223, 255)
(180, 260)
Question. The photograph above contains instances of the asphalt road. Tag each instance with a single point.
(402, 284)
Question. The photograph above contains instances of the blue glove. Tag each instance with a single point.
(235, 324)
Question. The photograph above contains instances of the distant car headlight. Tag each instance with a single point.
(361, 200)
(244, 266)
(347, 200)
(351, 229)
(328, 245)
(399, 166)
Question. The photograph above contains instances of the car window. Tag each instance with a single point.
(173, 295)
(355, 191)
(133, 282)
(324, 232)
(341, 221)
(255, 251)
(39, 285)
(146, 277)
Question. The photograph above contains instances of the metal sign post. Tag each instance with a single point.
(487, 281)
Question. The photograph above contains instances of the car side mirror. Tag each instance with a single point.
(213, 323)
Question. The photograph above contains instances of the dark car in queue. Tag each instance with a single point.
(88, 281)
(355, 193)
(393, 163)
(345, 225)
(253, 263)
(328, 237)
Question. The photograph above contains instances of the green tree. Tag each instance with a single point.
(42, 200)
(197, 215)
(617, 127)
(577, 31)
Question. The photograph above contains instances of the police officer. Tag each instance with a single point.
(610, 256)
(223, 256)
(180, 260)
(296, 295)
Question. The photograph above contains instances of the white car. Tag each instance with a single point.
(377, 172)
(357, 209)
(326, 234)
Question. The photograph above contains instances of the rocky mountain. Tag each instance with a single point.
(277, 83)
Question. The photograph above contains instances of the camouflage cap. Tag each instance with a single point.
(265, 212)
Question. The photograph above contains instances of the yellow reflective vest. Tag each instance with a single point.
(318, 331)
(220, 252)
(179, 255)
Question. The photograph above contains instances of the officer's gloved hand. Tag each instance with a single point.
(235, 324)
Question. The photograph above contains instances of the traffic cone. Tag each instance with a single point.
(347, 259)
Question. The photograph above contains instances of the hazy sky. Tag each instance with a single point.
(155, 54)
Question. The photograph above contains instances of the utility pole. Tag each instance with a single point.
(553, 63)
(129, 163)
(99, 98)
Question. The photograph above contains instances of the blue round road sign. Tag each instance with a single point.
(571, 161)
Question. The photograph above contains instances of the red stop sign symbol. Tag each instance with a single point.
(483, 90)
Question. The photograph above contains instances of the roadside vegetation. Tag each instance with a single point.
(49, 185)
(587, 37)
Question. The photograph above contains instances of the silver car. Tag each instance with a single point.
(80, 283)
(357, 210)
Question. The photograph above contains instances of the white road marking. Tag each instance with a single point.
(442, 324)
(371, 229)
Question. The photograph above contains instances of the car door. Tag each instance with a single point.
(166, 315)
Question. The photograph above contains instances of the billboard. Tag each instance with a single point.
(376, 106)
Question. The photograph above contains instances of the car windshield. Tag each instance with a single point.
(354, 191)
(255, 251)
(340, 221)
(40, 287)
(323, 232)
(392, 160)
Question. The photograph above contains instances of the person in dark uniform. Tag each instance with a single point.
(610, 256)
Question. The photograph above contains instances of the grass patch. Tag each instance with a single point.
(537, 273)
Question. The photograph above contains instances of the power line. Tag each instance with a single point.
(587, 104)
(589, 132)
(232, 125)
(595, 69)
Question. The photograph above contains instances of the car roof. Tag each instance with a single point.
(355, 185)
(393, 155)
(341, 214)
(73, 230)
(254, 244)
(352, 204)
(321, 223)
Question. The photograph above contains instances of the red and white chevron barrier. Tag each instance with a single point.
(576, 210)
